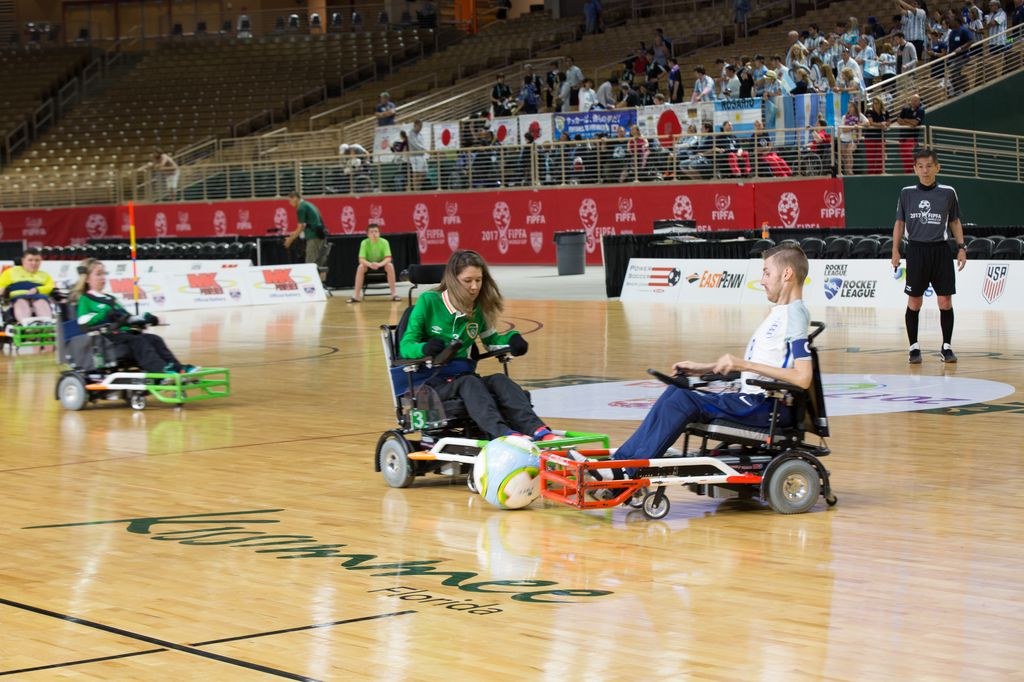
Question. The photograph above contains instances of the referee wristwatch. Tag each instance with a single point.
(961, 245)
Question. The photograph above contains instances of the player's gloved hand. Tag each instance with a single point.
(150, 318)
(517, 345)
(433, 347)
(136, 321)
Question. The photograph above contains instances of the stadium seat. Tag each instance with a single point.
(980, 249)
(813, 247)
(837, 247)
(1010, 248)
(760, 246)
(865, 248)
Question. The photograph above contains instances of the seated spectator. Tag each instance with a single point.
(767, 155)
(374, 255)
(725, 145)
(95, 309)
(820, 138)
(28, 288)
(637, 150)
(697, 164)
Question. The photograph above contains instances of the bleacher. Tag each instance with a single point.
(29, 78)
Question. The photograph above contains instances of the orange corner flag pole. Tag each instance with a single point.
(135, 271)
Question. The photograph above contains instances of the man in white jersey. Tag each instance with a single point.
(778, 350)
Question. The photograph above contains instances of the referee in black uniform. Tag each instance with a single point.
(928, 211)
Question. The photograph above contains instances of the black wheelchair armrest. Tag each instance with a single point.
(686, 381)
(770, 385)
(503, 354)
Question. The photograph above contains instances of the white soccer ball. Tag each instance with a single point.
(506, 472)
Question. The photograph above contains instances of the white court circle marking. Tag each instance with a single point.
(846, 394)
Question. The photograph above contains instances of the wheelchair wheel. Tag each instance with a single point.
(71, 392)
(636, 500)
(794, 487)
(137, 400)
(810, 164)
(393, 456)
(656, 505)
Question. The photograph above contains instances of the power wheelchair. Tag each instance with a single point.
(98, 369)
(435, 436)
(35, 332)
(731, 460)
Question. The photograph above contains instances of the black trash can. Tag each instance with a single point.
(571, 252)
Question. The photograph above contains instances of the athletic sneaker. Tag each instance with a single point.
(915, 356)
(188, 369)
(947, 354)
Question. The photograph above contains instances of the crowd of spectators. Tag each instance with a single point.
(847, 58)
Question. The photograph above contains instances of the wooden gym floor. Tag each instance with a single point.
(249, 538)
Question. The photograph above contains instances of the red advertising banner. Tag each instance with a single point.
(507, 226)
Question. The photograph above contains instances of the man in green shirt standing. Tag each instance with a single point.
(374, 254)
(311, 228)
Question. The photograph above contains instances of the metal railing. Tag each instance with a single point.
(936, 81)
(685, 158)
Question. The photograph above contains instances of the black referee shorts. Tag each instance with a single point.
(930, 263)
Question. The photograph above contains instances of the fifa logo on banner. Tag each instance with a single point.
(535, 217)
(833, 205)
(995, 281)
(451, 213)
(183, 224)
(243, 223)
(625, 213)
(722, 210)
(377, 214)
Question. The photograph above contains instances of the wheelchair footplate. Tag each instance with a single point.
(796, 480)
(465, 450)
(400, 460)
(35, 335)
(75, 390)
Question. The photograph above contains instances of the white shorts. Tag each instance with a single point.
(418, 163)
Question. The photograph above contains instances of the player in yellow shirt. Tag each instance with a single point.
(28, 287)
